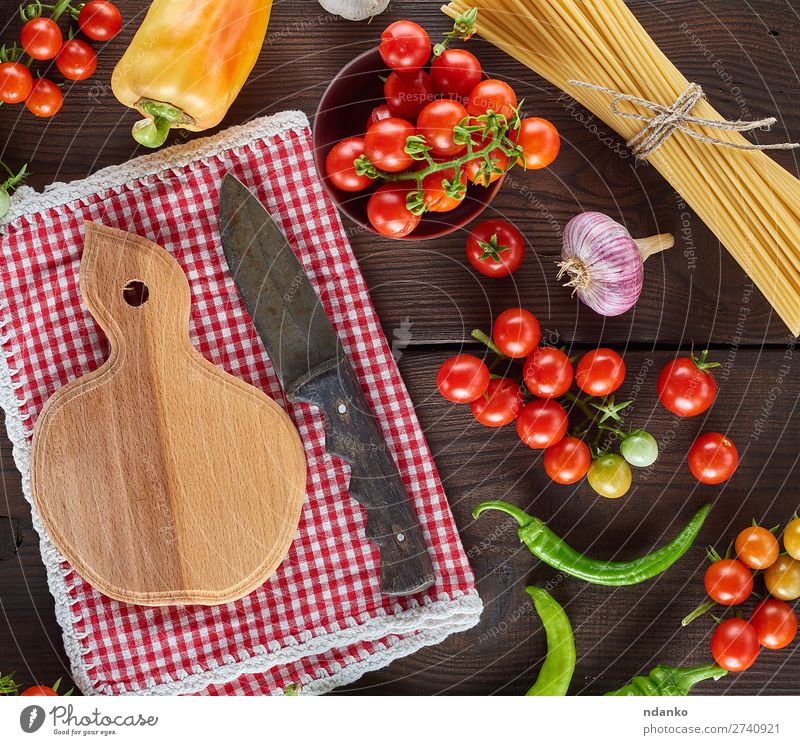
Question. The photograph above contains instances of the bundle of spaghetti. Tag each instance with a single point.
(748, 200)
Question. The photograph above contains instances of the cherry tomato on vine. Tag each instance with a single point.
(407, 93)
(547, 372)
(39, 691)
(463, 379)
(541, 424)
(378, 113)
(775, 623)
(45, 99)
(734, 644)
(387, 211)
(540, 143)
(385, 144)
(791, 538)
(610, 476)
(456, 72)
(757, 547)
(405, 46)
(436, 122)
(567, 461)
(495, 248)
(16, 82)
(76, 60)
(783, 578)
(339, 165)
(728, 582)
(434, 194)
(685, 386)
(499, 405)
(100, 20)
(713, 458)
(492, 95)
(477, 170)
(41, 38)
(516, 332)
(600, 372)
(639, 448)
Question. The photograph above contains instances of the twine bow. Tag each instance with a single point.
(666, 120)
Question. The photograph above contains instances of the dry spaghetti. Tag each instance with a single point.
(750, 202)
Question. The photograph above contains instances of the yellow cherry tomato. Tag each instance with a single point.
(783, 578)
(610, 476)
(791, 538)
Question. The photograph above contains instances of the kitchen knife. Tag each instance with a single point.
(313, 368)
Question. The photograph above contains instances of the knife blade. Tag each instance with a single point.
(313, 368)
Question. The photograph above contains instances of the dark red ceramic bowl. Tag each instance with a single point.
(343, 112)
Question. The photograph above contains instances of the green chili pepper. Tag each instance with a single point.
(559, 665)
(547, 546)
(669, 681)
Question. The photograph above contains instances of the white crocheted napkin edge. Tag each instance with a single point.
(405, 631)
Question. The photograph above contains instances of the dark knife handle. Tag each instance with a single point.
(352, 433)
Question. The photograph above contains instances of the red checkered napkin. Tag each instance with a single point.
(320, 620)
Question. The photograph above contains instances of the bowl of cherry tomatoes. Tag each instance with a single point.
(412, 145)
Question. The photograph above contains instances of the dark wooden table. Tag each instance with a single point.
(429, 300)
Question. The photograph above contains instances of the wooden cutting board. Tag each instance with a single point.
(161, 478)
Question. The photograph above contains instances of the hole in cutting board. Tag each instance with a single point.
(135, 293)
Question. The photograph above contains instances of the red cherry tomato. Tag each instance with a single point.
(378, 113)
(540, 143)
(541, 424)
(728, 582)
(685, 387)
(713, 458)
(456, 72)
(567, 461)
(495, 248)
(757, 547)
(434, 193)
(405, 46)
(477, 171)
(775, 623)
(39, 691)
(463, 379)
(76, 60)
(41, 38)
(100, 20)
(516, 332)
(339, 165)
(387, 212)
(492, 95)
(548, 372)
(499, 405)
(45, 99)
(436, 122)
(600, 372)
(408, 93)
(734, 645)
(385, 144)
(16, 82)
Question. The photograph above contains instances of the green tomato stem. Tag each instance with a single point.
(478, 335)
(697, 612)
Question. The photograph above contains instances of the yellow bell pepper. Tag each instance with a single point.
(187, 63)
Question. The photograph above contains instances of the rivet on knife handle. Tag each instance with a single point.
(352, 434)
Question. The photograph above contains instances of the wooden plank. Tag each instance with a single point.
(619, 632)
(743, 64)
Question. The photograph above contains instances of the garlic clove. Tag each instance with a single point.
(355, 10)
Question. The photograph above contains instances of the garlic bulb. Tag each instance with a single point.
(604, 264)
(355, 10)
